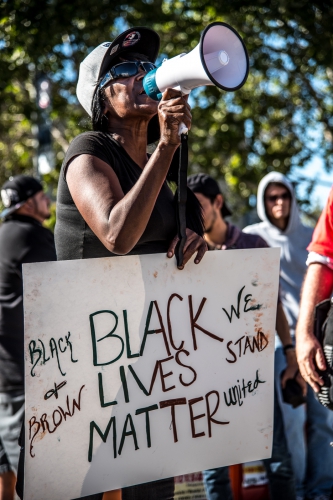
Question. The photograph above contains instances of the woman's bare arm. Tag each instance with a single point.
(118, 220)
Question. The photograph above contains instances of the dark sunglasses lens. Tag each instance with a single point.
(284, 196)
(124, 70)
(148, 66)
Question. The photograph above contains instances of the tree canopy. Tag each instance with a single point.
(276, 121)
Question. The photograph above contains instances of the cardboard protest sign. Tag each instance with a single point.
(136, 371)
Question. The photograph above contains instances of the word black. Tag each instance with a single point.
(39, 353)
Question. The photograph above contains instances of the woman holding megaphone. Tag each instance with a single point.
(113, 198)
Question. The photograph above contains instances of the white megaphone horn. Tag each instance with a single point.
(219, 59)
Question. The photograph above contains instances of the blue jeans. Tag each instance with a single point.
(309, 431)
(278, 469)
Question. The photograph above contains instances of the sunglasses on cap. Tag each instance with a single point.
(125, 70)
(274, 197)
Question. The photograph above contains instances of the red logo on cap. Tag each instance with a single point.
(131, 39)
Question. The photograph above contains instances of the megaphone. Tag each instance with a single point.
(219, 59)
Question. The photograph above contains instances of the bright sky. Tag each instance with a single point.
(315, 170)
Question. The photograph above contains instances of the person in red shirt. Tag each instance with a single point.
(317, 286)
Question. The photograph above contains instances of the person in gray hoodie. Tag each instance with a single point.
(222, 235)
(281, 226)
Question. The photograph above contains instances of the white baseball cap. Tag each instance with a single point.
(139, 39)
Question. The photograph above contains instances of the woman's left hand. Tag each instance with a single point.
(194, 243)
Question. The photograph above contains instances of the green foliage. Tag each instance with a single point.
(50, 223)
(281, 116)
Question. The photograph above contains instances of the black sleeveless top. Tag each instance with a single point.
(73, 237)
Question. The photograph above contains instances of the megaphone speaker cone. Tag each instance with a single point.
(224, 56)
(219, 59)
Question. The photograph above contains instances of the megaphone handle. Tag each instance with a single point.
(182, 198)
(182, 129)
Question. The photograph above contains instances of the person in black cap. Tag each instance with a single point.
(113, 198)
(222, 235)
(217, 231)
(22, 239)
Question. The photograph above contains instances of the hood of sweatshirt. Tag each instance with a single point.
(293, 241)
(294, 217)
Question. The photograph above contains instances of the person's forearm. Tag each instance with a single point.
(129, 217)
(317, 286)
(117, 219)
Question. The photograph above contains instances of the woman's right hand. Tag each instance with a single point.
(173, 110)
(194, 244)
